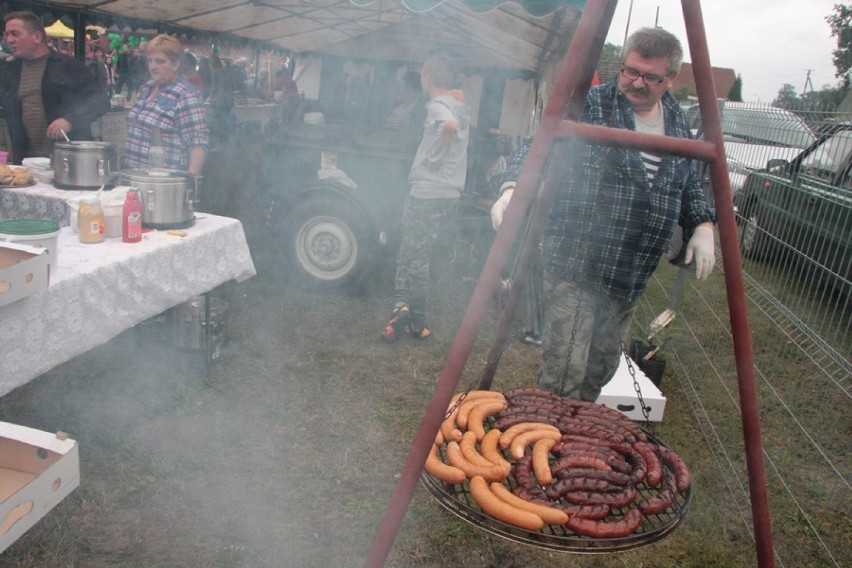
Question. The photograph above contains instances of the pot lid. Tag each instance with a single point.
(83, 144)
(155, 174)
(28, 227)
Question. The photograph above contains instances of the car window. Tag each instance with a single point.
(828, 158)
(759, 124)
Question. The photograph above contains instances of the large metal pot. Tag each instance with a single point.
(168, 196)
(83, 164)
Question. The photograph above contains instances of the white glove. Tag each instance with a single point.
(701, 249)
(500, 206)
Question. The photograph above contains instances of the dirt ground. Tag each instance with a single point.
(283, 454)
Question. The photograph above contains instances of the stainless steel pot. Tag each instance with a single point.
(189, 324)
(168, 196)
(83, 164)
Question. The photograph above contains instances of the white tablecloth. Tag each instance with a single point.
(39, 201)
(100, 290)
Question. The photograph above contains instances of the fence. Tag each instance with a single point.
(795, 224)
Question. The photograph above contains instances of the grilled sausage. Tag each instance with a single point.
(548, 513)
(501, 510)
(437, 468)
(625, 526)
(457, 459)
(541, 460)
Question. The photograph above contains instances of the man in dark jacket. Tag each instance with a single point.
(44, 93)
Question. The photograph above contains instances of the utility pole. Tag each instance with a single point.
(808, 83)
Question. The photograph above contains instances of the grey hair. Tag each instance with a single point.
(653, 43)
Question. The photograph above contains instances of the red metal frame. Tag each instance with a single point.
(560, 121)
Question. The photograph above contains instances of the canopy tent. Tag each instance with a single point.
(58, 30)
(489, 33)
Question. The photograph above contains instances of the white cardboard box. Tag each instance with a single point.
(37, 471)
(620, 394)
(24, 270)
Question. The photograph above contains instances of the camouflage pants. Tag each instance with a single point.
(583, 341)
(422, 220)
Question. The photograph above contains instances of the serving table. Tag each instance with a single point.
(38, 201)
(97, 291)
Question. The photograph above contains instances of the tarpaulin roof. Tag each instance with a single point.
(60, 30)
(488, 33)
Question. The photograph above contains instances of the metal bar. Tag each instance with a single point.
(621, 138)
(575, 77)
(734, 282)
(568, 96)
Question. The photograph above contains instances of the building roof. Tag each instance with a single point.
(723, 79)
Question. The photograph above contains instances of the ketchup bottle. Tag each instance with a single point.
(131, 217)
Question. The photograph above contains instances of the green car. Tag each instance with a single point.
(799, 213)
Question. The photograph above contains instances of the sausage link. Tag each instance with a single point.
(437, 468)
(521, 441)
(585, 511)
(580, 461)
(501, 510)
(580, 486)
(614, 500)
(541, 460)
(683, 477)
(489, 450)
(614, 477)
(476, 418)
(548, 513)
(658, 502)
(456, 459)
(652, 462)
(625, 526)
(513, 431)
(469, 451)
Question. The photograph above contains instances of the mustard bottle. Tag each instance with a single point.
(90, 221)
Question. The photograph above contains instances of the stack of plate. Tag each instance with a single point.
(40, 168)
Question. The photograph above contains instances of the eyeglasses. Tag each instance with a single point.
(648, 78)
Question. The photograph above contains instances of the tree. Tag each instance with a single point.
(736, 92)
(787, 98)
(841, 28)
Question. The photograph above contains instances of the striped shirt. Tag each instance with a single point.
(32, 107)
(177, 110)
(657, 126)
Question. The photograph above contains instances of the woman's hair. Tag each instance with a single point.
(656, 42)
(169, 45)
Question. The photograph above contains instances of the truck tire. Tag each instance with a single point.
(328, 243)
(753, 240)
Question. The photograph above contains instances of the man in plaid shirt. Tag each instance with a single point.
(612, 218)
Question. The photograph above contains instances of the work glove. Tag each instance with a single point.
(700, 249)
(500, 206)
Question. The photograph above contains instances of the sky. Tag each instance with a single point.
(768, 43)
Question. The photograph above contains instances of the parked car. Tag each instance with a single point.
(754, 135)
(799, 212)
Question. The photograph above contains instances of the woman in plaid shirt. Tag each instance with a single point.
(169, 114)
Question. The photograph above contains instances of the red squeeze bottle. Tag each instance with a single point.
(131, 217)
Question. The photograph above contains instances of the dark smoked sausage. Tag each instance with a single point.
(652, 462)
(607, 529)
(683, 478)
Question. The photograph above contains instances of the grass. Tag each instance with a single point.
(286, 452)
